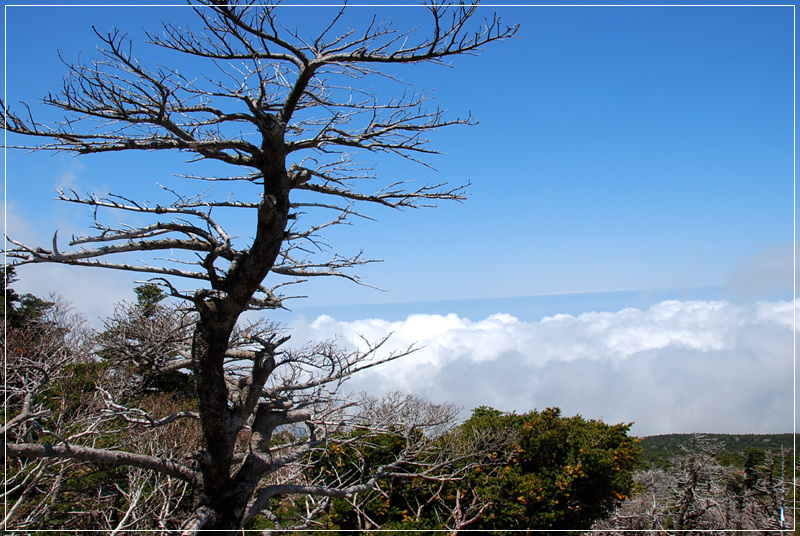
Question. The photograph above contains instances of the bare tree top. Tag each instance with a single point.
(287, 111)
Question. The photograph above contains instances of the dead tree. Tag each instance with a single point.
(37, 354)
(699, 494)
(285, 114)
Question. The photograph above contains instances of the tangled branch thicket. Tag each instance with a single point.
(699, 493)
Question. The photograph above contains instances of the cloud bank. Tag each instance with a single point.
(678, 366)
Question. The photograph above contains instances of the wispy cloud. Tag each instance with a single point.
(678, 366)
(92, 292)
(70, 175)
(769, 272)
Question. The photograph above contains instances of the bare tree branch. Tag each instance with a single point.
(108, 457)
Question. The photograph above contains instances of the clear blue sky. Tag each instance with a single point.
(647, 149)
(618, 148)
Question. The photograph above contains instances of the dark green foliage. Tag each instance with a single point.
(484, 415)
(150, 341)
(386, 509)
(564, 472)
(73, 389)
(147, 298)
(20, 311)
(174, 382)
(557, 472)
(753, 458)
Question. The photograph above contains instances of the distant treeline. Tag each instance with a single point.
(658, 450)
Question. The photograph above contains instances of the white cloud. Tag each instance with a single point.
(92, 292)
(679, 366)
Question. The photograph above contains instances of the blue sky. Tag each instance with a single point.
(639, 149)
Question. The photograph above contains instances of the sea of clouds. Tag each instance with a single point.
(675, 367)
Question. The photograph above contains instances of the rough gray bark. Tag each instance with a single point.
(275, 83)
(109, 457)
